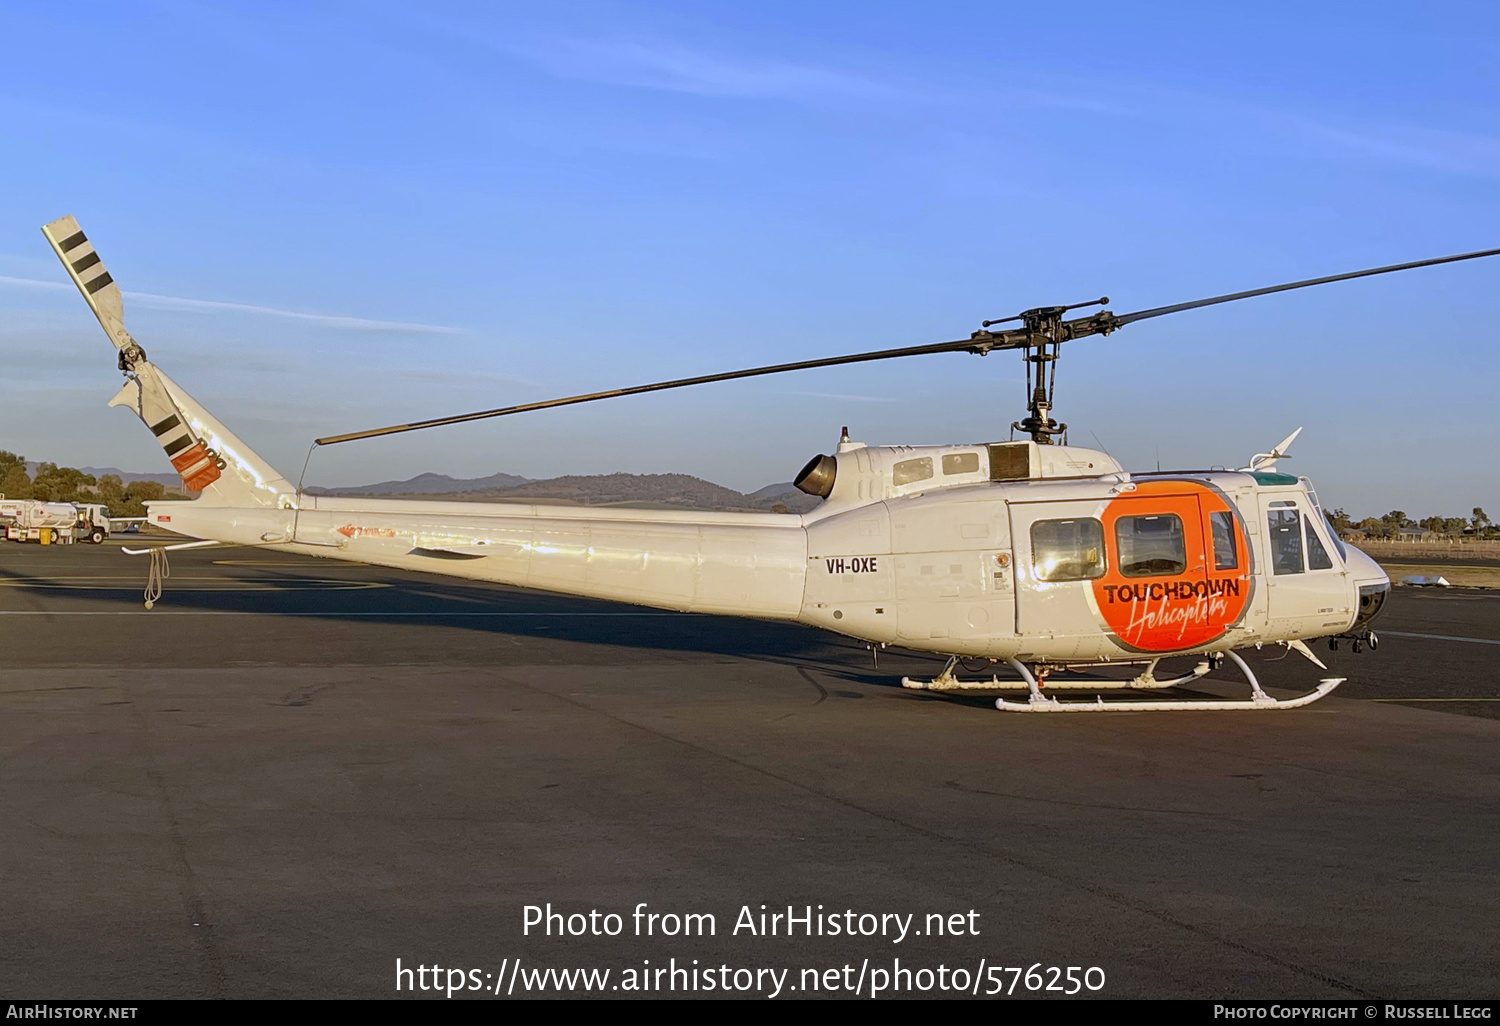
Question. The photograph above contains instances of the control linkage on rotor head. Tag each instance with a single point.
(1044, 330)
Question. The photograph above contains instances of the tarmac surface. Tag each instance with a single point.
(294, 772)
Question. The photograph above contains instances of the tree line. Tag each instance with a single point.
(1477, 524)
(69, 484)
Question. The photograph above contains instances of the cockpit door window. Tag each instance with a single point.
(1285, 536)
(1226, 554)
(1151, 546)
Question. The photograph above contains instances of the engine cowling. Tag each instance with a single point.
(859, 473)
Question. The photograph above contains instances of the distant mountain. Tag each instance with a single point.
(428, 484)
(680, 491)
(669, 491)
(776, 492)
(674, 489)
(772, 490)
(170, 480)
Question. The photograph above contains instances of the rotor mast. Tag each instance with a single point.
(1043, 332)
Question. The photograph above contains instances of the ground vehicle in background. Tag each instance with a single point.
(35, 520)
(94, 522)
(54, 523)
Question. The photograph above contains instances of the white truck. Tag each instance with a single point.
(56, 523)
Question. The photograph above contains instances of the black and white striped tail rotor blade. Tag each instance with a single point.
(144, 392)
(88, 272)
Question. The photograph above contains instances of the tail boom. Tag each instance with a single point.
(744, 564)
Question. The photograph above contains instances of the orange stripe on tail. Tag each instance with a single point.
(197, 467)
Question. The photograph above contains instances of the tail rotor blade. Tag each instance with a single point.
(88, 272)
(143, 393)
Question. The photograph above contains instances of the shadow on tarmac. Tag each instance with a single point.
(285, 585)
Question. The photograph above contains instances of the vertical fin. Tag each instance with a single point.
(152, 402)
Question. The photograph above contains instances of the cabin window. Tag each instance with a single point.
(1226, 554)
(1285, 538)
(1067, 550)
(961, 463)
(1317, 555)
(1151, 546)
(908, 471)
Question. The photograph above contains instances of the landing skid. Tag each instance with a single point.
(1146, 681)
(1037, 702)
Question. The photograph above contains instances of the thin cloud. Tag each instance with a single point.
(449, 380)
(153, 301)
(850, 398)
(1437, 149)
(675, 68)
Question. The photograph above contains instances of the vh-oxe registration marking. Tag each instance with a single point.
(853, 565)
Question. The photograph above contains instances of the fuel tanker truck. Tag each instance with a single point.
(53, 523)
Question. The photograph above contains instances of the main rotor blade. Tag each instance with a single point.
(1124, 319)
(977, 345)
(981, 342)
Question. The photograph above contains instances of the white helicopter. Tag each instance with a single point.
(1035, 553)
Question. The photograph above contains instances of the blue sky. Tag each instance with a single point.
(338, 216)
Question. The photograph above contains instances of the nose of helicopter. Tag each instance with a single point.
(1371, 581)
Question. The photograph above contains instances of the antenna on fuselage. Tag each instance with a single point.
(1266, 461)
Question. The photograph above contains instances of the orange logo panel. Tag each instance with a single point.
(196, 467)
(1166, 612)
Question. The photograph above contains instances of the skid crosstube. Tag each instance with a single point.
(1037, 702)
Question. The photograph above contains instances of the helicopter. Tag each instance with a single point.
(1049, 558)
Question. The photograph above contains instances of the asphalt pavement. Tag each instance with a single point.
(293, 773)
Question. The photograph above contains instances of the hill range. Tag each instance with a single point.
(667, 491)
(170, 480)
(671, 491)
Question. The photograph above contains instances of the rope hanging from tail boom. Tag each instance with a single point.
(159, 571)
